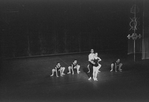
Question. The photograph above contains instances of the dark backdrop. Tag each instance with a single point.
(41, 27)
(145, 37)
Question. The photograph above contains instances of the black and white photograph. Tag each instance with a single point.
(74, 50)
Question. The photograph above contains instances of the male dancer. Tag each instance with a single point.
(73, 66)
(91, 63)
(96, 66)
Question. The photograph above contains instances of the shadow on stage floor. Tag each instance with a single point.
(28, 80)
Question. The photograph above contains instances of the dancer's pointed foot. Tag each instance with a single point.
(95, 79)
(68, 73)
(111, 70)
(89, 78)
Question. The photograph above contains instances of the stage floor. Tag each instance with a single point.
(28, 80)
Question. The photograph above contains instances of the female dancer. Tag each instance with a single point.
(96, 66)
(58, 68)
(73, 66)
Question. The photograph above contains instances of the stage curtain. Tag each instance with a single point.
(145, 36)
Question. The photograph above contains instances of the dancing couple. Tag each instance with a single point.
(93, 65)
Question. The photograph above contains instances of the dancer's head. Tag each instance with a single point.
(96, 54)
(75, 61)
(92, 50)
(118, 60)
(58, 64)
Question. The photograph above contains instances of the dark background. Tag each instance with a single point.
(30, 28)
(41, 27)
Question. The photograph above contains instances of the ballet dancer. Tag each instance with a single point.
(91, 63)
(96, 66)
(116, 65)
(73, 66)
(57, 68)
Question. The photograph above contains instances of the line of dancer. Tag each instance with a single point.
(93, 66)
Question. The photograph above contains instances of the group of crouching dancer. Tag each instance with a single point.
(71, 68)
(93, 67)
